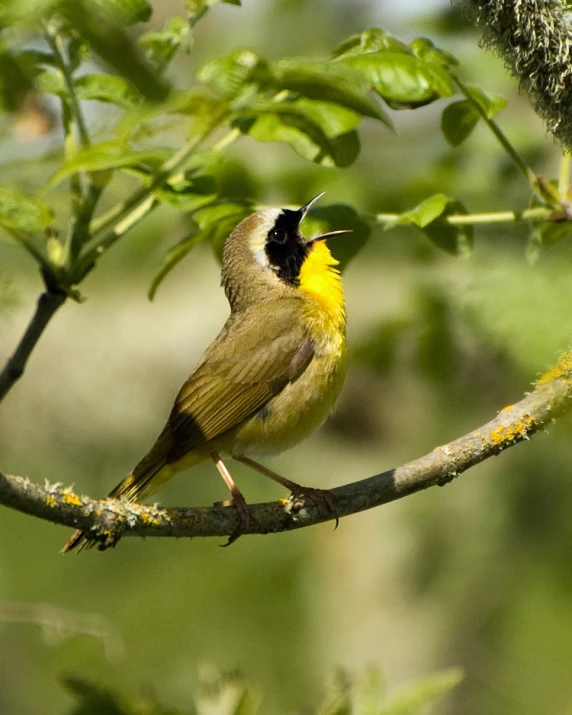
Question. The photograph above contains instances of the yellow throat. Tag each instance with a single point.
(321, 281)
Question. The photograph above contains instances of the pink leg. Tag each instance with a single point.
(318, 496)
(238, 500)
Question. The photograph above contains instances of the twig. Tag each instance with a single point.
(48, 304)
(110, 519)
(538, 213)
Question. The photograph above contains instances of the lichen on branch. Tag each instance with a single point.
(108, 520)
(534, 38)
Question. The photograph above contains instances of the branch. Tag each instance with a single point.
(535, 40)
(48, 304)
(109, 519)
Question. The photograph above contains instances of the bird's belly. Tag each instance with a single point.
(301, 407)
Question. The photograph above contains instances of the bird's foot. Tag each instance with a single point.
(245, 516)
(322, 498)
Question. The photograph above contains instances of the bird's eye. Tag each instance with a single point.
(278, 235)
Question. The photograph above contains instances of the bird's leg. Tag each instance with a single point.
(318, 496)
(238, 500)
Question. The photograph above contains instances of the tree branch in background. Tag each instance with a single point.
(48, 304)
(110, 519)
(535, 40)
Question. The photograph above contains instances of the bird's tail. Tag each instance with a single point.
(141, 482)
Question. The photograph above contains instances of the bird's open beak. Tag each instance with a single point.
(304, 210)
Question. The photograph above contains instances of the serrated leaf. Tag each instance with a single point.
(458, 121)
(23, 213)
(125, 12)
(230, 75)
(404, 81)
(335, 217)
(330, 82)
(108, 155)
(492, 104)
(454, 239)
(371, 40)
(423, 694)
(107, 88)
(423, 214)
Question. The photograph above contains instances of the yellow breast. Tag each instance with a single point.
(321, 283)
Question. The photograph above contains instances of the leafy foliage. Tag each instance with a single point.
(315, 106)
(230, 695)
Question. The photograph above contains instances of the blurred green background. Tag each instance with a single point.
(475, 575)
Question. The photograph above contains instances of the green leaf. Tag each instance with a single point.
(51, 82)
(107, 88)
(335, 217)
(404, 81)
(305, 136)
(319, 131)
(372, 40)
(458, 121)
(92, 699)
(454, 239)
(229, 76)
(108, 155)
(115, 46)
(423, 214)
(492, 104)
(332, 118)
(125, 12)
(424, 49)
(23, 213)
(188, 193)
(413, 700)
(220, 218)
(544, 236)
(367, 692)
(161, 46)
(329, 82)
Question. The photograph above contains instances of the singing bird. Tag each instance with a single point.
(273, 373)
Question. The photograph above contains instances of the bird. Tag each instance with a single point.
(271, 376)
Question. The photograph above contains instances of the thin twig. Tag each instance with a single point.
(538, 213)
(48, 304)
(109, 519)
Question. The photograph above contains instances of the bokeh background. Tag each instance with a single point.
(475, 575)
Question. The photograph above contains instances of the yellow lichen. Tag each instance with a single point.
(510, 433)
(51, 500)
(72, 499)
(150, 519)
(562, 370)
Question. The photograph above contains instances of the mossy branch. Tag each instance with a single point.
(108, 520)
(534, 38)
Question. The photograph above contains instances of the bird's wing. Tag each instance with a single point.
(241, 371)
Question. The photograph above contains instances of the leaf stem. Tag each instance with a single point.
(126, 214)
(523, 167)
(535, 214)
